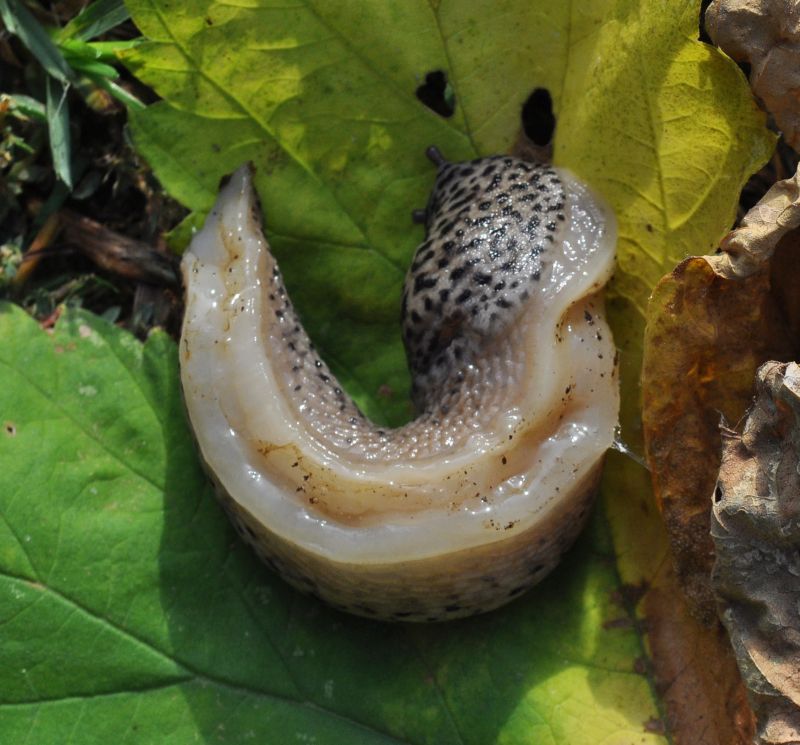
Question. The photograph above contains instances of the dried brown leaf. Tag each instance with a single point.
(711, 323)
(695, 672)
(706, 336)
(766, 35)
(756, 530)
(752, 244)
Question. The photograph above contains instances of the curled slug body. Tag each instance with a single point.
(514, 375)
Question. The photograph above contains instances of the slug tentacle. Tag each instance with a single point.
(513, 374)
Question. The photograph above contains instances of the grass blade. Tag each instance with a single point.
(125, 98)
(93, 68)
(107, 50)
(95, 19)
(20, 22)
(27, 106)
(102, 51)
(58, 127)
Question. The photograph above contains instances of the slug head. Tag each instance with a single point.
(489, 223)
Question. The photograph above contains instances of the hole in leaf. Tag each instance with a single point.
(537, 117)
(437, 94)
(10, 429)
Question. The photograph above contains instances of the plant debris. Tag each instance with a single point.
(756, 531)
(765, 35)
(712, 322)
(81, 217)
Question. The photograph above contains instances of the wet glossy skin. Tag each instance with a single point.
(513, 365)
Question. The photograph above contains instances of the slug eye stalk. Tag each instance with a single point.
(513, 368)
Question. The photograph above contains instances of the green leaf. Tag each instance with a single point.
(131, 612)
(19, 21)
(58, 128)
(94, 20)
(322, 99)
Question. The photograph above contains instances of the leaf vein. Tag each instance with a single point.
(437, 686)
(188, 673)
(229, 96)
(456, 86)
(21, 545)
(26, 380)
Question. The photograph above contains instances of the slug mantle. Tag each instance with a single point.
(514, 376)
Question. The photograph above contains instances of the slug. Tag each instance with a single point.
(514, 376)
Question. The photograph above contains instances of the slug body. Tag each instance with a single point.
(514, 376)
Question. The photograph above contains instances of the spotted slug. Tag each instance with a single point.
(514, 377)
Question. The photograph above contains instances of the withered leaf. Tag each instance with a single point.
(695, 672)
(766, 35)
(711, 323)
(756, 530)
